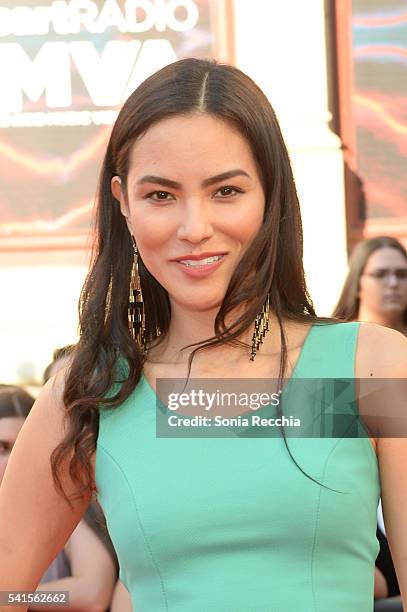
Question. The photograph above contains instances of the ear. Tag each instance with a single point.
(119, 195)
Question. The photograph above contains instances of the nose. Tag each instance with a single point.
(393, 279)
(196, 224)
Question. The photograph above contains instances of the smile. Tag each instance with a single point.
(199, 263)
(200, 267)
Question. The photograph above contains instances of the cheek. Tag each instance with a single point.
(152, 229)
(370, 292)
(243, 224)
(255, 227)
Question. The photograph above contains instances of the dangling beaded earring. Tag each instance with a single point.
(136, 316)
(261, 326)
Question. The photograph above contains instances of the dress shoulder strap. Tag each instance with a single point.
(329, 351)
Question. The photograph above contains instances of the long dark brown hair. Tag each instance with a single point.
(275, 255)
(348, 305)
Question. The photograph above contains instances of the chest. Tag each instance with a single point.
(264, 367)
(197, 494)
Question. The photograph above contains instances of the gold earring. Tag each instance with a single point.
(136, 315)
(261, 326)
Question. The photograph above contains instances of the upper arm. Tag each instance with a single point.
(392, 454)
(35, 519)
(383, 355)
(381, 352)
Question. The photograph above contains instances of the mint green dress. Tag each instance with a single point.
(232, 524)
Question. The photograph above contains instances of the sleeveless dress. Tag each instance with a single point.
(232, 524)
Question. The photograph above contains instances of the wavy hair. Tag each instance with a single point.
(275, 255)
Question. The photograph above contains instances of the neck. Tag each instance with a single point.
(188, 327)
(395, 322)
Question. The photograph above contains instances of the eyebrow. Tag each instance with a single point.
(389, 269)
(160, 180)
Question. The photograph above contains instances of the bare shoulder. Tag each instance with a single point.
(381, 352)
(51, 403)
(48, 412)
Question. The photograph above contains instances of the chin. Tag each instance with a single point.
(394, 310)
(200, 304)
(206, 306)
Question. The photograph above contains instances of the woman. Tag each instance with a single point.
(375, 290)
(197, 203)
(84, 566)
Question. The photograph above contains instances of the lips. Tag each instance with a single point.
(191, 257)
(199, 263)
(199, 266)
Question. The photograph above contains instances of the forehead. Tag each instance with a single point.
(191, 143)
(10, 427)
(386, 258)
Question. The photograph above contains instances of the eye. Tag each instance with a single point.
(228, 191)
(5, 448)
(159, 196)
(379, 273)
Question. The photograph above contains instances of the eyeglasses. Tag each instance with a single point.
(385, 274)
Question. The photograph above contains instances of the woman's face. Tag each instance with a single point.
(9, 430)
(195, 203)
(383, 284)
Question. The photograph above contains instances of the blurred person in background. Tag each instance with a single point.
(15, 404)
(375, 291)
(60, 359)
(86, 566)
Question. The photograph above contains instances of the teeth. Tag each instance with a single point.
(192, 263)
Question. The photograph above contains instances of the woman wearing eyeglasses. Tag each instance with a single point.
(375, 291)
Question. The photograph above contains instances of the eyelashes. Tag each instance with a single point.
(150, 196)
(226, 191)
(229, 188)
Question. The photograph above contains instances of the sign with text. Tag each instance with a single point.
(66, 68)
